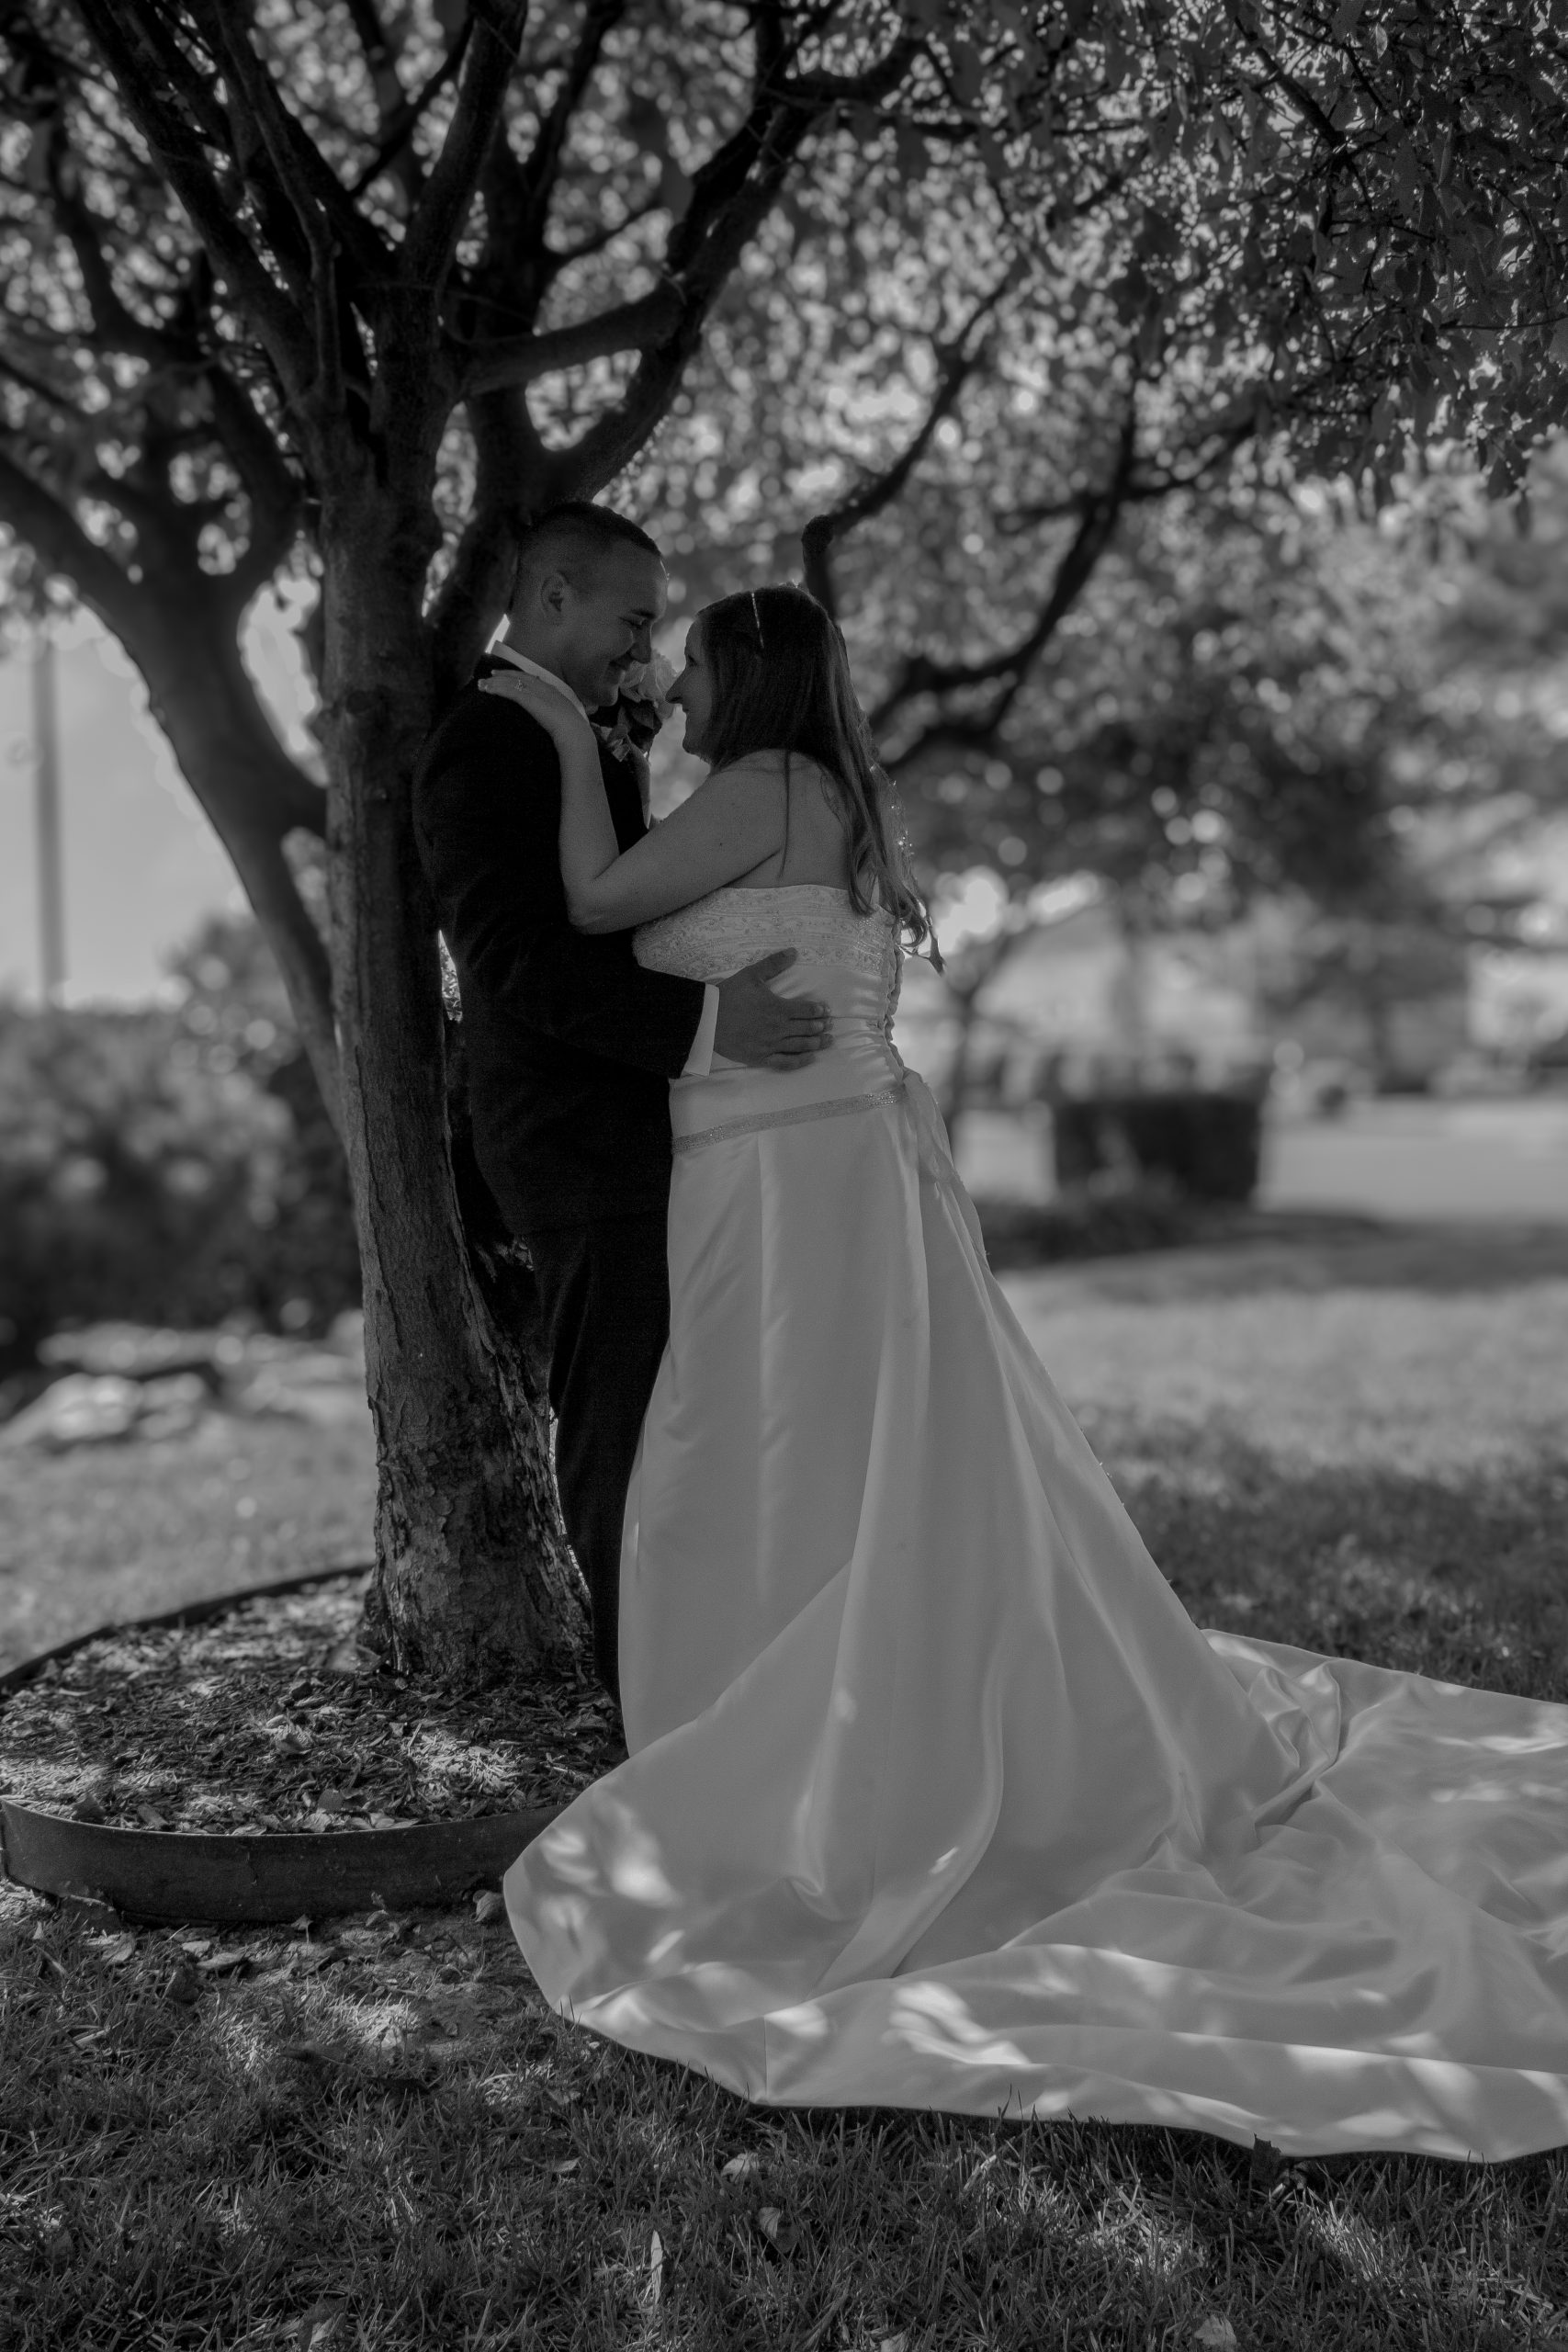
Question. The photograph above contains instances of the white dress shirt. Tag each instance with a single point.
(699, 1061)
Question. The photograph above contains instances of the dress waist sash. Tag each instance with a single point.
(751, 1123)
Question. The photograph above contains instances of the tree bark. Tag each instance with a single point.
(473, 1578)
(253, 791)
(955, 1088)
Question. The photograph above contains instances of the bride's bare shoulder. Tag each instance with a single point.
(763, 766)
(767, 767)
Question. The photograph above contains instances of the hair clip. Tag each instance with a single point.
(757, 622)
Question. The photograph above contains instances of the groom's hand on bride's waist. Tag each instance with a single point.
(768, 1030)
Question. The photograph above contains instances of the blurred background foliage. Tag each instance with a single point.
(170, 1163)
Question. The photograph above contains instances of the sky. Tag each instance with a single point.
(142, 866)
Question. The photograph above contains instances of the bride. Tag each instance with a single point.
(935, 1796)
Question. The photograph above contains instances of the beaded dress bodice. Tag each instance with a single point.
(848, 961)
(719, 935)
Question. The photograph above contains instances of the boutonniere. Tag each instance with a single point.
(630, 723)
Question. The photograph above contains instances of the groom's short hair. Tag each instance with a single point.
(573, 539)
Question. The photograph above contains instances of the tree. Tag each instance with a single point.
(320, 287)
(1259, 698)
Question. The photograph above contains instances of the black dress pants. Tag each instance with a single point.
(604, 1295)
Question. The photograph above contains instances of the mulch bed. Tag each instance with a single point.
(272, 1719)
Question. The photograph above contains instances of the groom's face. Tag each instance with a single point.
(606, 621)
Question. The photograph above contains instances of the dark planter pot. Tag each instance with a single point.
(175, 1876)
(1206, 1145)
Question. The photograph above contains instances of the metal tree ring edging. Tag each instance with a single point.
(172, 1876)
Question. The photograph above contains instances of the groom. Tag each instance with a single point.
(571, 1044)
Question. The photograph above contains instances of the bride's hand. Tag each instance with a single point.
(561, 719)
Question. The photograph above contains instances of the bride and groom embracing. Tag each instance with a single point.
(935, 1796)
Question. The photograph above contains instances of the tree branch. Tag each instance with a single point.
(303, 175)
(275, 497)
(45, 524)
(147, 622)
(516, 360)
(180, 157)
(560, 257)
(527, 187)
(922, 676)
(516, 477)
(398, 126)
(36, 387)
(437, 223)
(731, 195)
(114, 325)
(957, 363)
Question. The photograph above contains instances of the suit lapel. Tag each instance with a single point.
(621, 787)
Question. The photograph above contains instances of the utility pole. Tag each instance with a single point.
(50, 861)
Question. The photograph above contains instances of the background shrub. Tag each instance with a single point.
(1207, 1146)
(170, 1164)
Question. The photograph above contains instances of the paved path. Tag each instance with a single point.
(1418, 1159)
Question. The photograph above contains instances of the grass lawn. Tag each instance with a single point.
(378, 2137)
(93, 1536)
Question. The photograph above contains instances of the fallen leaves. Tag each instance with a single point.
(742, 2168)
(114, 1950)
(1215, 2335)
(778, 2229)
(271, 1721)
(318, 2327)
(312, 1961)
(655, 2267)
(231, 1962)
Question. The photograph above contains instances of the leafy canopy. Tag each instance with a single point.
(257, 252)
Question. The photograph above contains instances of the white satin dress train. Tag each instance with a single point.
(936, 1796)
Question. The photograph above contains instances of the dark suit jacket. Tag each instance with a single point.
(570, 1045)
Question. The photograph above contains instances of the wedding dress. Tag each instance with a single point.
(936, 1796)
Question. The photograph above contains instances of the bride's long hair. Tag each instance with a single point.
(781, 682)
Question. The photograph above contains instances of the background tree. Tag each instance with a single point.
(318, 287)
(167, 1162)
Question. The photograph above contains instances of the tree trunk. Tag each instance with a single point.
(254, 793)
(472, 1577)
(1130, 982)
(986, 960)
(966, 1007)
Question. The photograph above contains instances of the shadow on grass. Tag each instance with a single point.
(1281, 1250)
(216, 2174)
(1460, 1576)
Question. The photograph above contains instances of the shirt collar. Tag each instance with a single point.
(534, 669)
